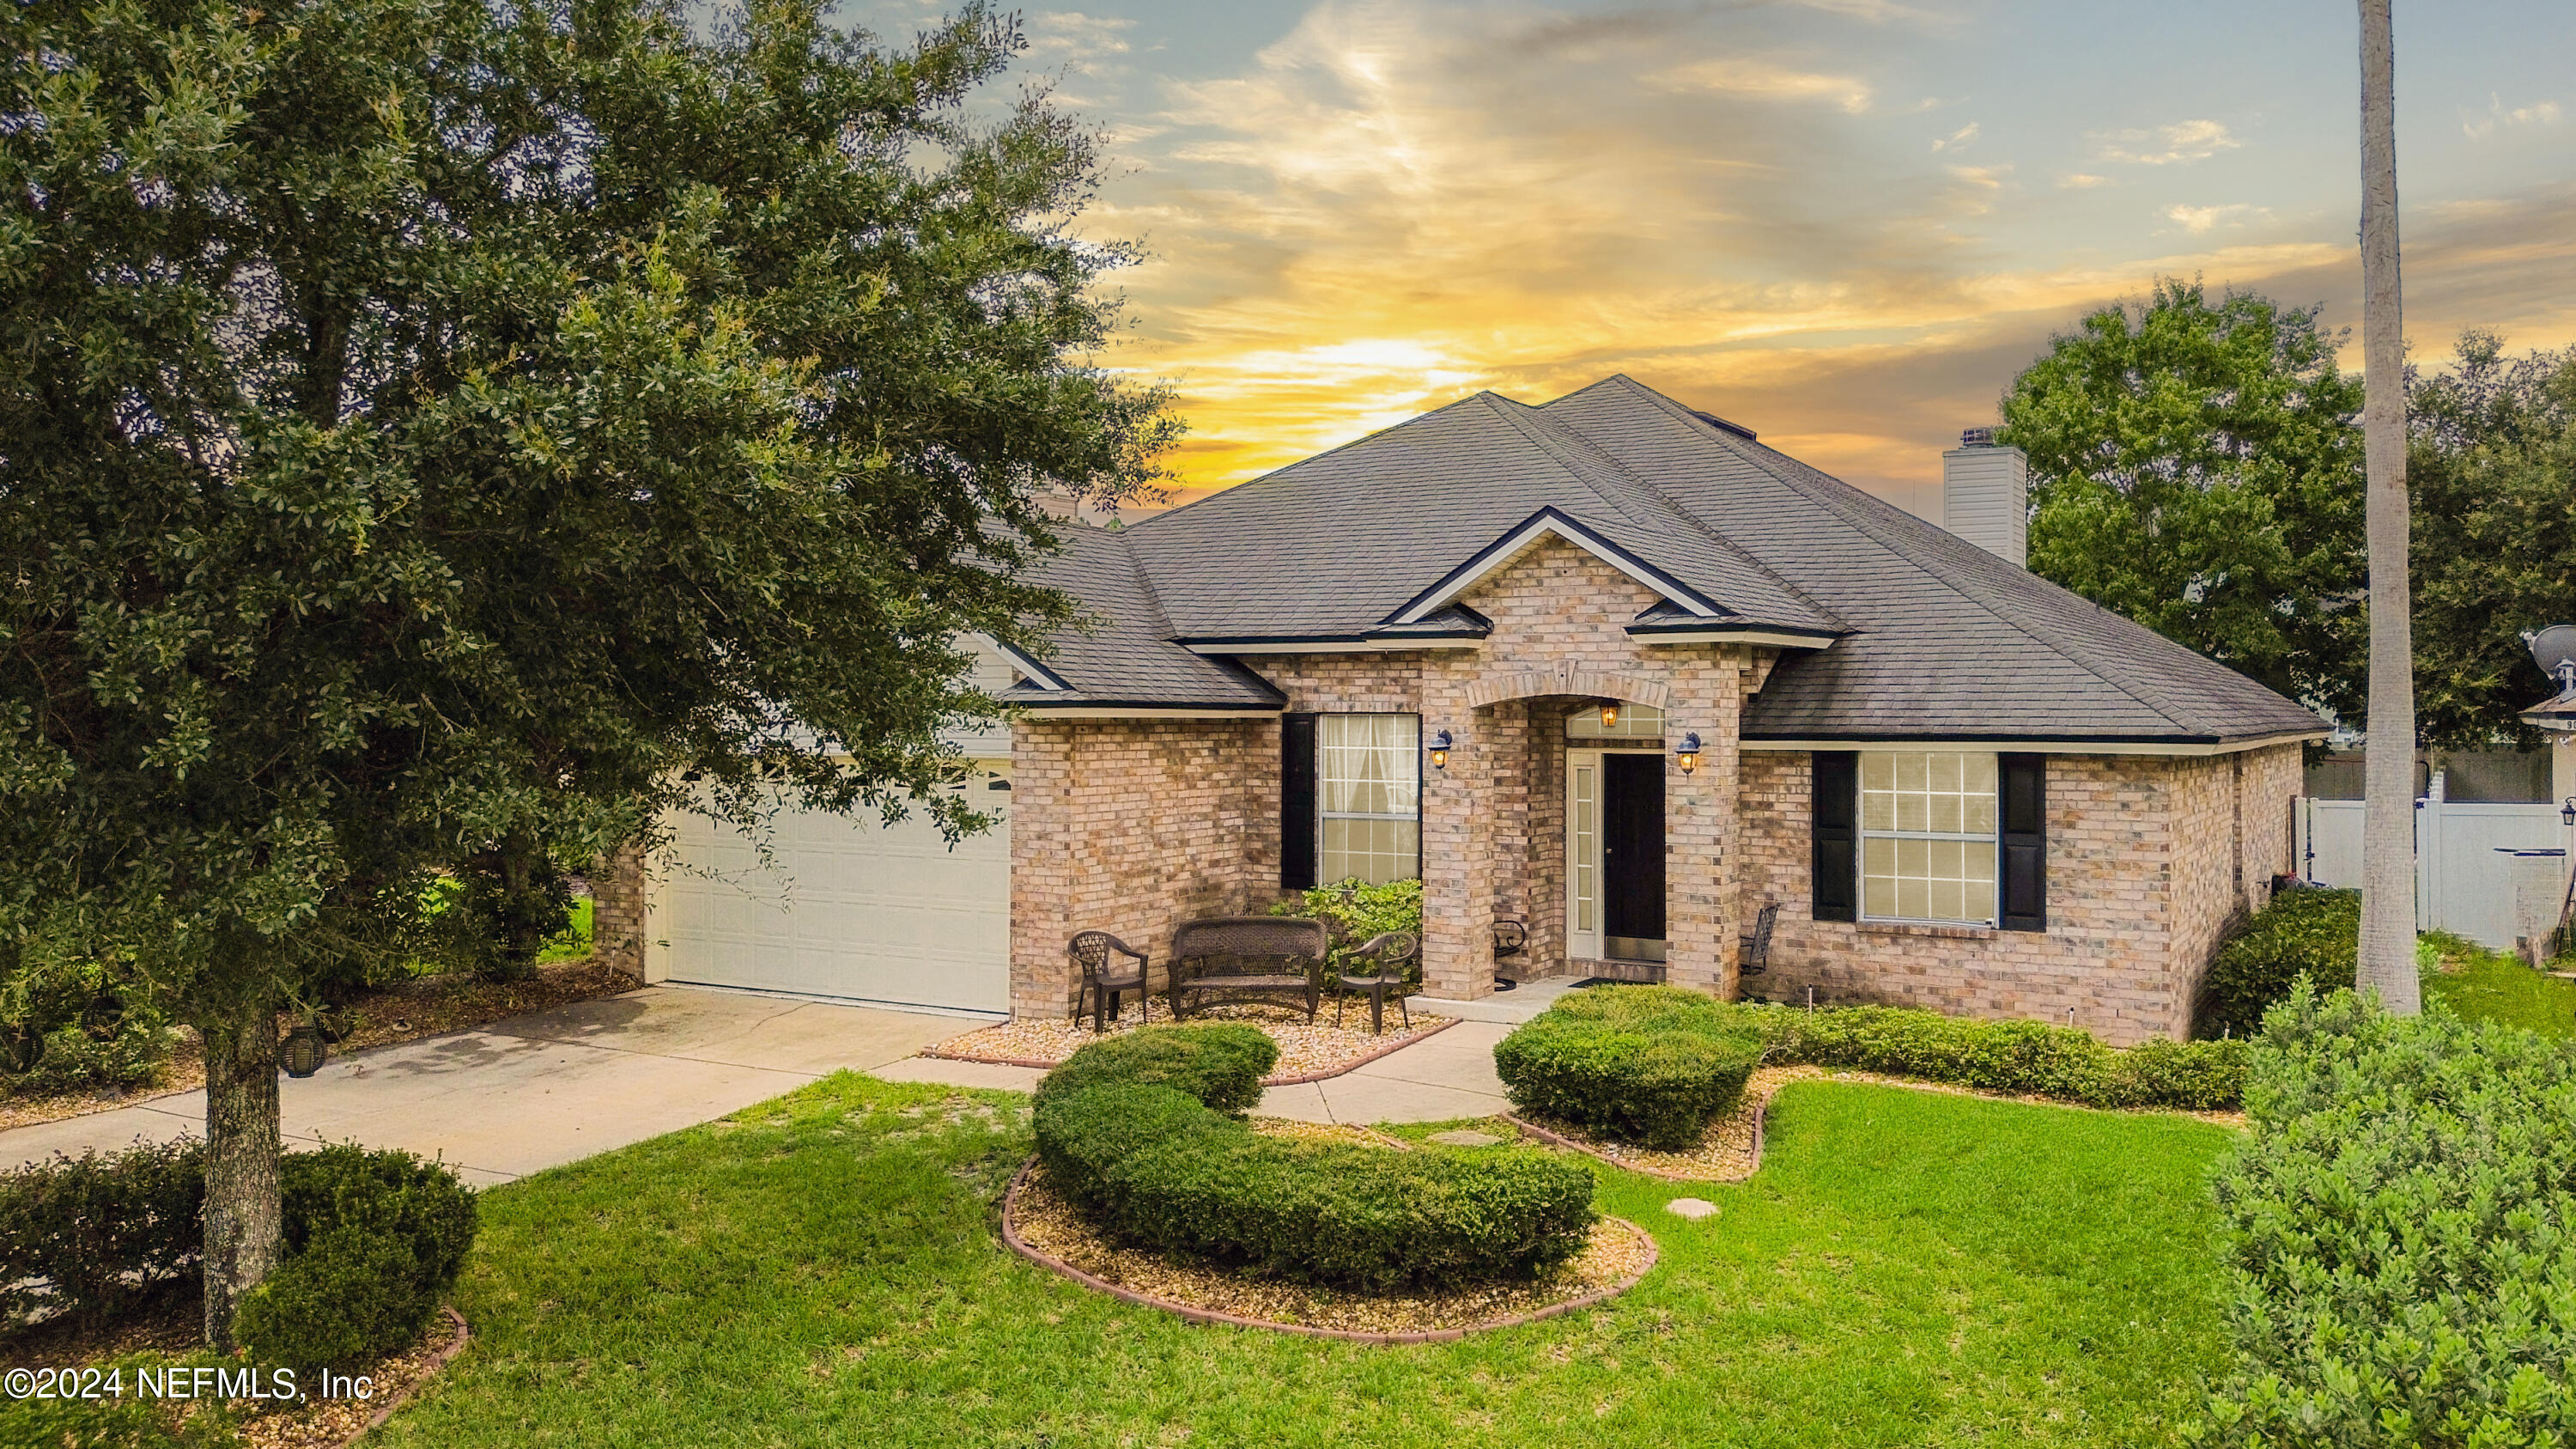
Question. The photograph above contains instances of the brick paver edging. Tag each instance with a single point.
(1044, 1259)
(1354, 1064)
(437, 1363)
(1559, 1139)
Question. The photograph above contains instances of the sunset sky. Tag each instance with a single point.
(1845, 223)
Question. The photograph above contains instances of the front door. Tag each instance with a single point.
(1632, 856)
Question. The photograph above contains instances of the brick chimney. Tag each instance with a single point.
(1985, 496)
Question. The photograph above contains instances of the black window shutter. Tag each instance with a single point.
(1297, 802)
(1836, 800)
(2022, 840)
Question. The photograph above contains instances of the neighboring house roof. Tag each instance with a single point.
(1368, 546)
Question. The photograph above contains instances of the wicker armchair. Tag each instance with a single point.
(1387, 960)
(1103, 976)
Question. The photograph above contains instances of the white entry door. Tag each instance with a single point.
(847, 908)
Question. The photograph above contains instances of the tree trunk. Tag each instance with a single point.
(2387, 962)
(242, 1217)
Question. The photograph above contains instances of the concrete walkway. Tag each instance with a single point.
(533, 1091)
(1434, 1080)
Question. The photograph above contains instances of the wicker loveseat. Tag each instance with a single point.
(1279, 957)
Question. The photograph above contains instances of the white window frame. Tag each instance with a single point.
(1862, 835)
(1323, 873)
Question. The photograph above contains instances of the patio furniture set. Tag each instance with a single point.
(1288, 958)
(1283, 958)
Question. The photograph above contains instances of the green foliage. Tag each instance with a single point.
(2401, 1233)
(131, 1419)
(125, 1054)
(348, 1299)
(2306, 932)
(1356, 911)
(1220, 1064)
(94, 1235)
(2482, 985)
(1139, 1139)
(2194, 466)
(2491, 466)
(1647, 1064)
(2026, 1057)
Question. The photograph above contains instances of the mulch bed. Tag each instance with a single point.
(429, 1006)
(1730, 1151)
(172, 1325)
(1307, 1053)
(1047, 1230)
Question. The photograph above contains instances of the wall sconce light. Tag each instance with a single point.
(1440, 750)
(1609, 714)
(2567, 813)
(1686, 754)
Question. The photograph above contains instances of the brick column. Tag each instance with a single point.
(1702, 875)
(1546, 842)
(617, 906)
(1044, 869)
(1457, 850)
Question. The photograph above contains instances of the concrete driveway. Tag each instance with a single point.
(550, 1087)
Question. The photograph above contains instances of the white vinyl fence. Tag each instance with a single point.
(2465, 858)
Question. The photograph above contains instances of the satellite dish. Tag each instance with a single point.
(2554, 650)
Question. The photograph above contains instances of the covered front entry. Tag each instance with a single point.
(1614, 844)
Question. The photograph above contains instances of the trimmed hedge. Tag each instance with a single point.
(2027, 1057)
(1163, 1169)
(92, 1236)
(1647, 1064)
(2309, 931)
(2401, 1222)
(373, 1241)
(1220, 1064)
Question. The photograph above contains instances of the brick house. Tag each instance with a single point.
(1611, 668)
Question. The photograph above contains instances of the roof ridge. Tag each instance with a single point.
(1284, 469)
(1691, 520)
(1834, 498)
(1145, 584)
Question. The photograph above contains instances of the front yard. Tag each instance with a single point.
(1907, 1268)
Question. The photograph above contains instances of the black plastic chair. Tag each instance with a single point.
(1755, 956)
(1387, 957)
(1095, 952)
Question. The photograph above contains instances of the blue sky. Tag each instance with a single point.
(1845, 223)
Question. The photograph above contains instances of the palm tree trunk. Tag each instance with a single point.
(2387, 963)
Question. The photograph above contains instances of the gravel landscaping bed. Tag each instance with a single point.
(1306, 1053)
(1729, 1151)
(1618, 1255)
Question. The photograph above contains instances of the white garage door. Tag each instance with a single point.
(849, 908)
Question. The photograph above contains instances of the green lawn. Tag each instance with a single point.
(2494, 986)
(1908, 1268)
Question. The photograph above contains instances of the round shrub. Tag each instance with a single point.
(1154, 1164)
(1220, 1064)
(2305, 932)
(373, 1241)
(1646, 1064)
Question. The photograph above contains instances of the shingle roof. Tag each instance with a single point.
(1933, 637)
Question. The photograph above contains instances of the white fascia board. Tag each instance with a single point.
(1039, 675)
(2044, 747)
(1546, 523)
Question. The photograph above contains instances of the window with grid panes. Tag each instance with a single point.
(1927, 836)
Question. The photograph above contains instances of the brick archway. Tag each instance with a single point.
(1568, 679)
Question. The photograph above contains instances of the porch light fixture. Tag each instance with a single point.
(2567, 813)
(1440, 750)
(1609, 714)
(1686, 754)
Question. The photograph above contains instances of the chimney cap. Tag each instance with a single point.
(1976, 437)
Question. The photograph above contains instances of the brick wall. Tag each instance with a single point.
(2144, 864)
(1131, 827)
(617, 911)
